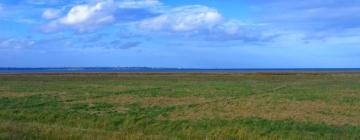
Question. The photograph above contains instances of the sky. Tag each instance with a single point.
(180, 34)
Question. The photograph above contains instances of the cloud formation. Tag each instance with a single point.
(281, 29)
(137, 4)
(85, 17)
(15, 43)
(204, 23)
(51, 13)
(150, 15)
(303, 21)
(182, 19)
(91, 15)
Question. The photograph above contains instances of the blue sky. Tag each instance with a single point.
(186, 33)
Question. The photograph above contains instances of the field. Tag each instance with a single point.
(140, 106)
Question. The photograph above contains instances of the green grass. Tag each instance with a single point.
(180, 106)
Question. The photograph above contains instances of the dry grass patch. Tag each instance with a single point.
(350, 93)
(166, 101)
(120, 99)
(15, 94)
(266, 108)
(119, 109)
(148, 101)
(115, 99)
(120, 88)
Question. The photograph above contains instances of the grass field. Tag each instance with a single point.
(180, 106)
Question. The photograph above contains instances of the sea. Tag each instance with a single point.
(165, 70)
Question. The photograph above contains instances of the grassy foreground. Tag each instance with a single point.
(180, 106)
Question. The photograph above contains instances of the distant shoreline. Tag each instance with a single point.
(170, 70)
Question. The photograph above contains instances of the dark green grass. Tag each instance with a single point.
(78, 106)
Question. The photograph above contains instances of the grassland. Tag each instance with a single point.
(180, 106)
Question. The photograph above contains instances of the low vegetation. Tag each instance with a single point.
(268, 106)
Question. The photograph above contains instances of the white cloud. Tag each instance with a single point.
(191, 18)
(139, 4)
(201, 22)
(51, 13)
(93, 14)
(231, 27)
(182, 19)
(84, 17)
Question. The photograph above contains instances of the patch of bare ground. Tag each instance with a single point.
(266, 108)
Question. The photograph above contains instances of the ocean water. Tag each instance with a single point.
(164, 70)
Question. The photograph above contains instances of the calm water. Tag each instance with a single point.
(118, 69)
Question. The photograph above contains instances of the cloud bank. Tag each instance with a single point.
(151, 16)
